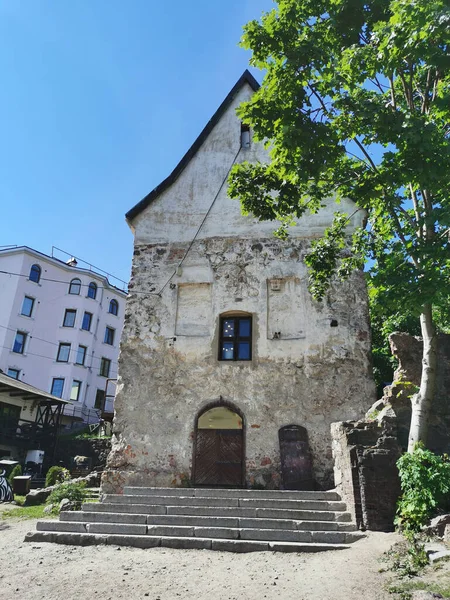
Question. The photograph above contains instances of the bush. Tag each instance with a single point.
(425, 482)
(75, 492)
(16, 472)
(56, 475)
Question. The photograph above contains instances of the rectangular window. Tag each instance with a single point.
(105, 366)
(75, 391)
(235, 338)
(27, 306)
(63, 353)
(99, 398)
(57, 387)
(19, 342)
(109, 336)
(69, 317)
(87, 321)
(81, 355)
(14, 373)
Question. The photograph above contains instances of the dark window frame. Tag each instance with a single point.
(17, 371)
(53, 384)
(63, 345)
(115, 311)
(25, 336)
(75, 283)
(92, 290)
(66, 312)
(90, 321)
(81, 364)
(80, 383)
(110, 334)
(105, 372)
(32, 306)
(35, 273)
(100, 398)
(236, 338)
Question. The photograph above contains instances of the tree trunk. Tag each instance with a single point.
(421, 402)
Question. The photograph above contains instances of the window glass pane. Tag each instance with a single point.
(75, 391)
(19, 342)
(63, 353)
(57, 387)
(87, 317)
(104, 367)
(69, 318)
(243, 350)
(114, 307)
(27, 306)
(99, 397)
(109, 336)
(35, 273)
(244, 327)
(228, 328)
(92, 290)
(227, 351)
(14, 373)
(75, 286)
(81, 355)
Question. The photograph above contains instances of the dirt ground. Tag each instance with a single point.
(54, 572)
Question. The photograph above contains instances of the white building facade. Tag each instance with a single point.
(60, 328)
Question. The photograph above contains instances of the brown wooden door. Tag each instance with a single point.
(219, 457)
(296, 464)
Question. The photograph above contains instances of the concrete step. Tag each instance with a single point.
(265, 535)
(187, 520)
(205, 511)
(150, 541)
(225, 502)
(232, 493)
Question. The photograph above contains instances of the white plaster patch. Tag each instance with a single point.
(194, 312)
(286, 314)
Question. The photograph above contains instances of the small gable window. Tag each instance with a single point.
(35, 273)
(235, 338)
(114, 307)
(75, 287)
(245, 136)
(92, 290)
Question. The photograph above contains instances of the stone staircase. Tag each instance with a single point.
(214, 519)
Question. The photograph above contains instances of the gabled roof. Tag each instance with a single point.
(246, 77)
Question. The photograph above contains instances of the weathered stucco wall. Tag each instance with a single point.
(314, 371)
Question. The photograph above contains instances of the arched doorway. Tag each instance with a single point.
(219, 448)
(295, 456)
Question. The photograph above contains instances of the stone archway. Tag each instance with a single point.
(219, 453)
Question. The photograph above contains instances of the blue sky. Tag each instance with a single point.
(100, 99)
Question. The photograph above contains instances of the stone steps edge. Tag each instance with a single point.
(232, 493)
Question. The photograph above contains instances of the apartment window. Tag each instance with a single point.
(14, 373)
(105, 366)
(35, 273)
(76, 390)
(75, 287)
(19, 342)
(109, 336)
(235, 338)
(114, 307)
(69, 317)
(99, 399)
(87, 321)
(63, 353)
(92, 290)
(81, 355)
(57, 387)
(27, 306)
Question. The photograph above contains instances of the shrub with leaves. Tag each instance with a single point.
(16, 472)
(425, 482)
(56, 475)
(75, 492)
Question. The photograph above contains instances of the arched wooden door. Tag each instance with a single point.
(219, 448)
(296, 464)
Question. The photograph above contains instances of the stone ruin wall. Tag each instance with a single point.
(318, 372)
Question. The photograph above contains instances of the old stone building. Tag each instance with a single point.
(229, 373)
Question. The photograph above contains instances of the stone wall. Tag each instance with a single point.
(96, 448)
(366, 476)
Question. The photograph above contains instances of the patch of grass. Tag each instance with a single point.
(404, 590)
(25, 512)
(408, 558)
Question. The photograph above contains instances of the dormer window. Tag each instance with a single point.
(235, 338)
(245, 136)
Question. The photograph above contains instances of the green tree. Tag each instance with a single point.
(355, 103)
